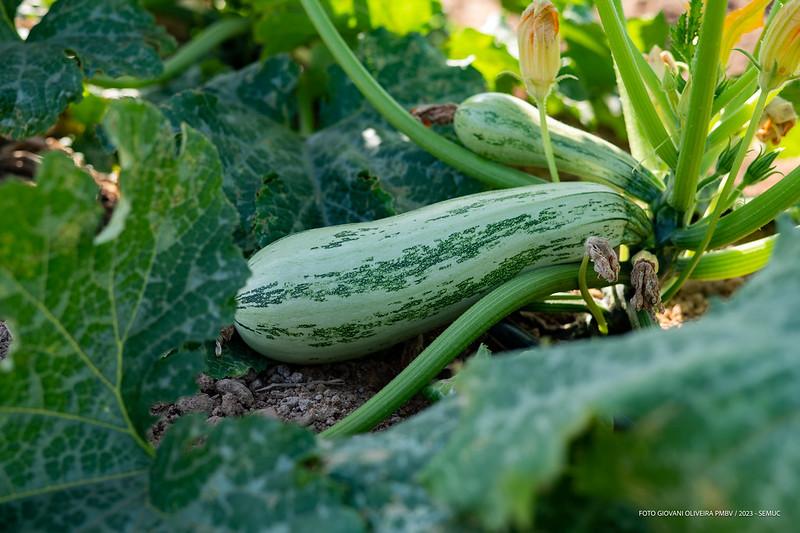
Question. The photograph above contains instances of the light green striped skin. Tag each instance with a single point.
(505, 129)
(345, 291)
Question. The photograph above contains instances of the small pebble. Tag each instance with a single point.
(295, 377)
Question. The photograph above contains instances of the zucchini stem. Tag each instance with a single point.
(596, 312)
(487, 172)
(548, 145)
(512, 295)
(728, 182)
(648, 117)
(701, 101)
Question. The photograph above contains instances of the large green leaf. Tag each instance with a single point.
(356, 168)
(92, 314)
(710, 422)
(709, 402)
(76, 38)
(248, 475)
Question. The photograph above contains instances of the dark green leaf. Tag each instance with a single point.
(76, 38)
(708, 402)
(236, 359)
(247, 475)
(92, 313)
(357, 168)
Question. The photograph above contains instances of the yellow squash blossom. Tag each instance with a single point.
(780, 49)
(539, 48)
(747, 18)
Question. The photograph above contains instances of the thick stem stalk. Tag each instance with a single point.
(646, 113)
(724, 193)
(701, 101)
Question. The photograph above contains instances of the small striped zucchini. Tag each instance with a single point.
(505, 129)
(345, 291)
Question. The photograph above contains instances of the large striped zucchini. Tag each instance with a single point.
(344, 291)
(506, 129)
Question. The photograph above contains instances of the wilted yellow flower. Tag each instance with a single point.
(778, 119)
(780, 49)
(539, 48)
(747, 18)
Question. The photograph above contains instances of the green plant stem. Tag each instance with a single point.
(548, 146)
(305, 108)
(750, 217)
(483, 170)
(597, 313)
(646, 113)
(654, 85)
(644, 320)
(744, 87)
(512, 295)
(701, 101)
(565, 306)
(189, 54)
(732, 262)
(728, 182)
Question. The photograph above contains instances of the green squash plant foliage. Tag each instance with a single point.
(113, 312)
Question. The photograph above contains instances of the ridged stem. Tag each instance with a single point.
(745, 220)
(701, 100)
(713, 220)
(548, 146)
(646, 113)
(483, 170)
(189, 54)
(596, 312)
(732, 262)
(512, 295)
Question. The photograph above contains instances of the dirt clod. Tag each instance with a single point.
(236, 389)
(199, 403)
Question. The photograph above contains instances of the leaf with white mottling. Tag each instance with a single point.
(75, 39)
(91, 320)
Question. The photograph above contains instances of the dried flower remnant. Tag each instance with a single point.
(439, 114)
(644, 279)
(604, 258)
(539, 48)
(778, 119)
(779, 57)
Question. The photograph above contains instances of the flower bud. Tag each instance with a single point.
(539, 48)
(780, 50)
